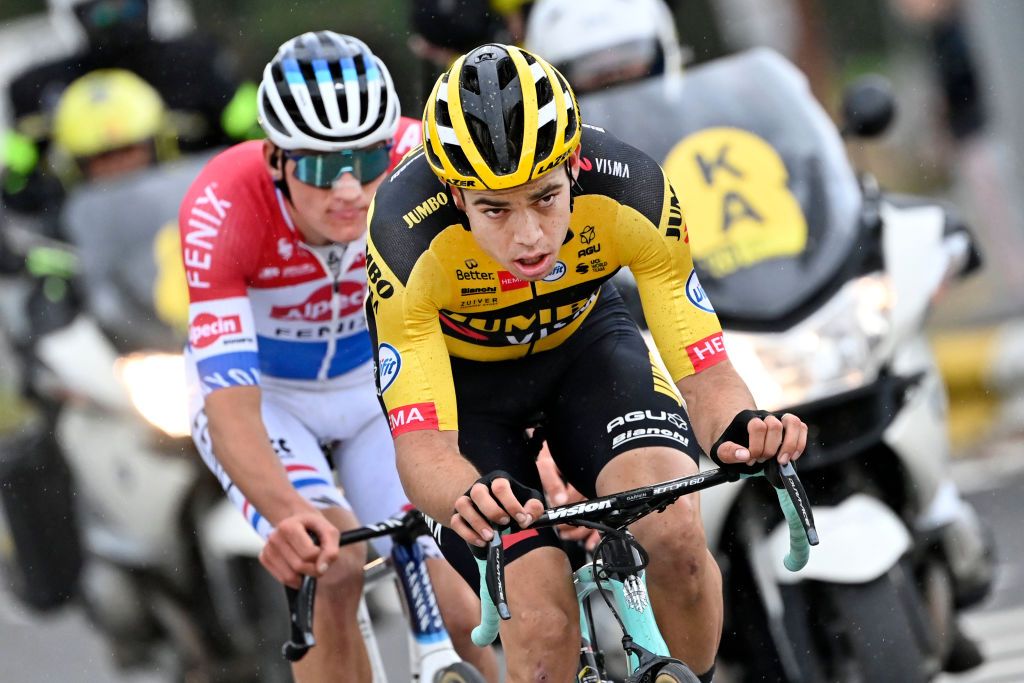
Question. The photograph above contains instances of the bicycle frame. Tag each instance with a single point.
(430, 647)
(633, 607)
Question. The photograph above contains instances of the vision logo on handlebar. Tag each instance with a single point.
(615, 512)
(579, 509)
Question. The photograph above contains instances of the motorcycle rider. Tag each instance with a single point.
(117, 34)
(279, 357)
(110, 122)
(625, 58)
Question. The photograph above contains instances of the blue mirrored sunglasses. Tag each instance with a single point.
(323, 170)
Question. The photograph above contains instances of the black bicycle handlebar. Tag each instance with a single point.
(622, 509)
(300, 600)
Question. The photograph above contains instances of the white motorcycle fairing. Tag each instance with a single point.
(861, 540)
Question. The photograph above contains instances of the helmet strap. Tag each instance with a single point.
(282, 183)
(575, 189)
(462, 195)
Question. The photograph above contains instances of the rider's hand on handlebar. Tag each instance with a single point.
(290, 552)
(767, 437)
(494, 498)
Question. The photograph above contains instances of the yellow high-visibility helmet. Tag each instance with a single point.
(106, 110)
(498, 118)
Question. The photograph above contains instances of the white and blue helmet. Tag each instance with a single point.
(327, 92)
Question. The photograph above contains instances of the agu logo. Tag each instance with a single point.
(207, 328)
(696, 294)
(389, 362)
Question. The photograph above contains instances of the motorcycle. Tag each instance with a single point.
(168, 571)
(822, 283)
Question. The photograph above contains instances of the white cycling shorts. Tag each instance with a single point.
(306, 420)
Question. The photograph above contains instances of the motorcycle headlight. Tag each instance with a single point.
(155, 383)
(831, 351)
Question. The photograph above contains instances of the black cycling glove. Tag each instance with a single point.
(737, 433)
(522, 492)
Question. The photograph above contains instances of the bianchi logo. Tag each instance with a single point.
(475, 291)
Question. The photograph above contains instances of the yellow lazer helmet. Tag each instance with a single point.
(500, 117)
(105, 110)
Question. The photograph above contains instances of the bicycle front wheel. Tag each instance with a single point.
(460, 672)
(675, 673)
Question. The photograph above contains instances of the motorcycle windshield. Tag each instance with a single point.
(126, 234)
(771, 203)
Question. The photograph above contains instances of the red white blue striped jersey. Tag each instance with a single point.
(262, 301)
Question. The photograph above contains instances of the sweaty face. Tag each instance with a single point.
(522, 228)
(335, 214)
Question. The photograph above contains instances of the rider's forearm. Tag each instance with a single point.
(434, 473)
(713, 398)
(242, 447)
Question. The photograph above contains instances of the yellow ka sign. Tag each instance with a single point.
(739, 210)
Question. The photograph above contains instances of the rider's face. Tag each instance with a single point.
(522, 228)
(334, 214)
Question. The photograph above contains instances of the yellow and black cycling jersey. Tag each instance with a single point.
(434, 293)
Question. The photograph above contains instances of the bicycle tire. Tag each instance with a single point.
(675, 673)
(459, 672)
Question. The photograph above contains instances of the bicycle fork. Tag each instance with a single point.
(430, 647)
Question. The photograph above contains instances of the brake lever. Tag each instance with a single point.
(785, 477)
(496, 576)
(799, 498)
(300, 608)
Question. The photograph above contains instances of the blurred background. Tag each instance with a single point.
(957, 137)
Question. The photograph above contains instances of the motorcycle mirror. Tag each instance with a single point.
(868, 107)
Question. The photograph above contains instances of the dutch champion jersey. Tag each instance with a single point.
(434, 293)
(262, 301)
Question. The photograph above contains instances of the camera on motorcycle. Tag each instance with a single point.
(869, 107)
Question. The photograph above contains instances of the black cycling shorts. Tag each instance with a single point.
(600, 395)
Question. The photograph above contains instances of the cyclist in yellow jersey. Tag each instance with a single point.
(489, 303)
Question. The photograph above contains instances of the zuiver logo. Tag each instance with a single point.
(426, 208)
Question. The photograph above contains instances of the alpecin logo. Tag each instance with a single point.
(317, 306)
(207, 328)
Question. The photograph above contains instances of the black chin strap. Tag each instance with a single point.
(282, 182)
(575, 189)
